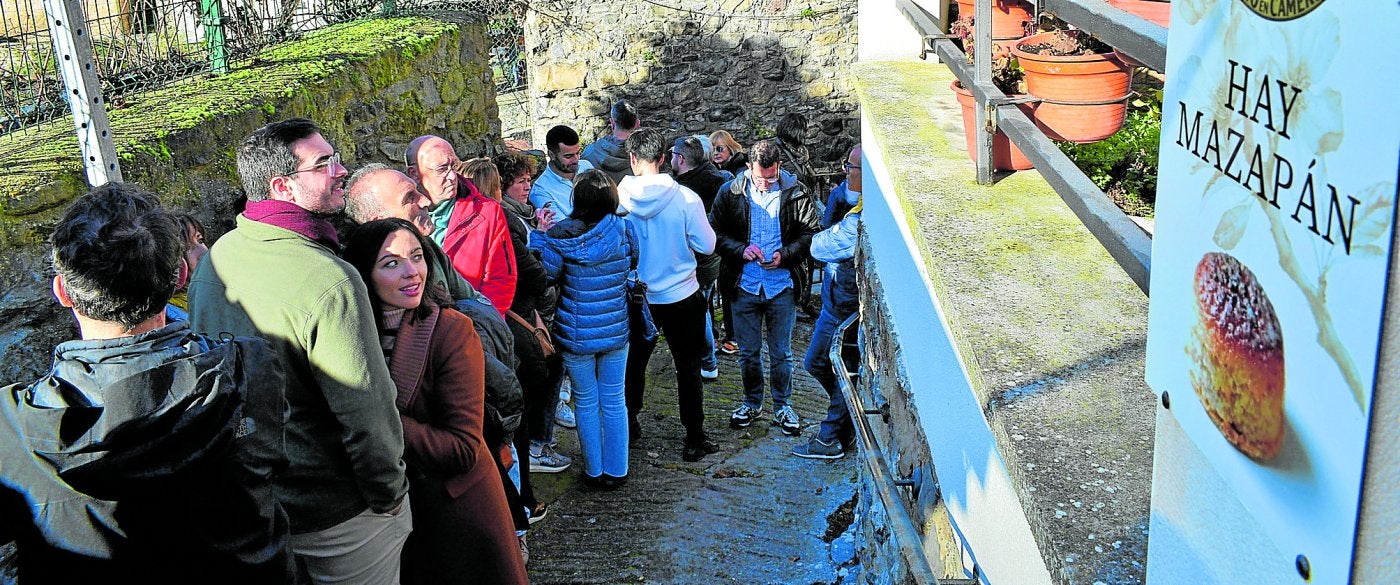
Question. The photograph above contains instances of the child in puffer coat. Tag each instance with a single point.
(589, 254)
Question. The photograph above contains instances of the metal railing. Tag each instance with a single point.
(904, 531)
(1127, 243)
(138, 45)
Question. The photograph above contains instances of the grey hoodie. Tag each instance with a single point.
(671, 228)
(609, 153)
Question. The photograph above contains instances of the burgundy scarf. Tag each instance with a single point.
(290, 216)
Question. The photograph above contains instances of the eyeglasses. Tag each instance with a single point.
(848, 166)
(443, 170)
(324, 166)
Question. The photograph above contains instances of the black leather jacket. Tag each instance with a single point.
(730, 218)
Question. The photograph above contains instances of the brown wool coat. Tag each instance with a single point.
(462, 528)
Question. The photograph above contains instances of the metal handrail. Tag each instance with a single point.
(906, 536)
(1127, 243)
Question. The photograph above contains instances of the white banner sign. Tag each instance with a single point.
(1275, 207)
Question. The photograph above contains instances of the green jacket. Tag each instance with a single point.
(344, 437)
(446, 276)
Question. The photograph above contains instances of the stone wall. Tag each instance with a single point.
(372, 85)
(697, 66)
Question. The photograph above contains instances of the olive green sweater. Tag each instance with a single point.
(344, 437)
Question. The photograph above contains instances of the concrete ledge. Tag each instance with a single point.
(1041, 388)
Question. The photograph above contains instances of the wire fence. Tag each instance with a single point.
(146, 44)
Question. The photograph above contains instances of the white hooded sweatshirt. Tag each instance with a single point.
(671, 228)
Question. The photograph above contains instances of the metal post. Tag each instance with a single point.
(74, 50)
(212, 17)
(982, 75)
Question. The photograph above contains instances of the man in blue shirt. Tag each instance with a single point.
(764, 220)
(554, 190)
(836, 246)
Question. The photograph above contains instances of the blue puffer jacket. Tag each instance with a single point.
(591, 264)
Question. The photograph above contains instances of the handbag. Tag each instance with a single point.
(539, 330)
(639, 310)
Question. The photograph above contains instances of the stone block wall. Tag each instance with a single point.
(371, 85)
(695, 66)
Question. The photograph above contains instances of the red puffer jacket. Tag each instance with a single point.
(478, 242)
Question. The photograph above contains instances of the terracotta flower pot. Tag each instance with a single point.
(1158, 12)
(1009, 18)
(1005, 155)
(1126, 60)
(1084, 96)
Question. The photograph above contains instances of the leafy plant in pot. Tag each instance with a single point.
(1083, 87)
(1006, 76)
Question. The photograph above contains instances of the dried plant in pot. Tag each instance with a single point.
(1007, 76)
(1083, 87)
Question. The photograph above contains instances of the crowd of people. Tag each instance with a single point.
(355, 384)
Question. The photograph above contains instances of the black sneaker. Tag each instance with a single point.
(696, 451)
(848, 442)
(538, 512)
(744, 416)
(816, 449)
(613, 482)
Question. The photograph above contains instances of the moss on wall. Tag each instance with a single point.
(372, 85)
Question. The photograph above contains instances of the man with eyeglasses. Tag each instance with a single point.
(764, 220)
(470, 227)
(554, 190)
(844, 196)
(836, 246)
(277, 276)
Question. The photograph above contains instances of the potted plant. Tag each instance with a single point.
(1007, 76)
(1083, 87)
(1009, 18)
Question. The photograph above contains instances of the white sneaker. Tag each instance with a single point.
(564, 416)
(566, 389)
(710, 374)
(786, 419)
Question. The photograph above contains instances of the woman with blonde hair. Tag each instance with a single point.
(728, 153)
(729, 156)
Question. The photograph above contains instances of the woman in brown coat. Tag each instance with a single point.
(462, 528)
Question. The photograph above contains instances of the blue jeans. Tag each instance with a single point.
(709, 362)
(600, 408)
(751, 314)
(837, 425)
